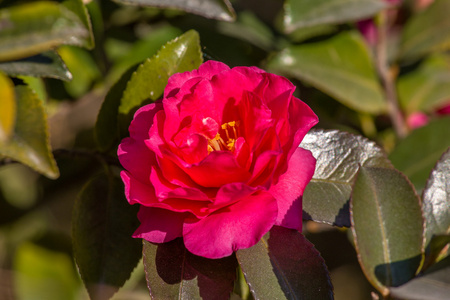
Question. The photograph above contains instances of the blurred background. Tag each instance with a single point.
(36, 260)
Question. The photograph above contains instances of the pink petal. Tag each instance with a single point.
(289, 190)
(238, 226)
(136, 158)
(164, 189)
(143, 120)
(206, 70)
(217, 169)
(136, 191)
(159, 225)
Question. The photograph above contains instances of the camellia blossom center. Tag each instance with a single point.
(226, 141)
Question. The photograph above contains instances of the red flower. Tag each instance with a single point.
(217, 161)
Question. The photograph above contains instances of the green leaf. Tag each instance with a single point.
(340, 66)
(103, 223)
(427, 31)
(44, 274)
(148, 82)
(387, 226)
(29, 143)
(427, 88)
(213, 9)
(139, 51)
(339, 155)
(417, 154)
(305, 13)
(436, 199)
(107, 127)
(174, 273)
(35, 27)
(47, 64)
(7, 107)
(285, 265)
(79, 8)
(83, 68)
(433, 285)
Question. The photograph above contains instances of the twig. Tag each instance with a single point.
(388, 78)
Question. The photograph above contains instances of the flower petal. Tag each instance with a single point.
(289, 189)
(238, 226)
(159, 225)
(208, 70)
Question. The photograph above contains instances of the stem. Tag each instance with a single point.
(388, 78)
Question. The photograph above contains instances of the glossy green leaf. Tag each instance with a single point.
(79, 8)
(35, 27)
(174, 273)
(148, 82)
(213, 9)
(44, 274)
(7, 107)
(103, 223)
(285, 265)
(436, 199)
(417, 154)
(387, 226)
(306, 13)
(47, 64)
(339, 155)
(427, 88)
(107, 127)
(29, 143)
(340, 66)
(427, 31)
(139, 51)
(433, 285)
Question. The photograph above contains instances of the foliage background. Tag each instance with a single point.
(337, 72)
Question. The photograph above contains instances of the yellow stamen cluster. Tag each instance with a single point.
(218, 143)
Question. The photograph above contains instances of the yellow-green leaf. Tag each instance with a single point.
(35, 27)
(29, 142)
(7, 107)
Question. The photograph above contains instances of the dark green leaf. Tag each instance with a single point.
(103, 223)
(285, 265)
(106, 127)
(29, 143)
(305, 13)
(214, 9)
(31, 28)
(338, 155)
(436, 249)
(47, 64)
(148, 82)
(417, 154)
(436, 199)
(174, 273)
(433, 285)
(427, 31)
(387, 226)
(7, 107)
(340, 66)
(427, 88)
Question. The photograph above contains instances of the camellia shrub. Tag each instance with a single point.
(224, 149)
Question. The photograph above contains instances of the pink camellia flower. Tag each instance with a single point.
(217, 161)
